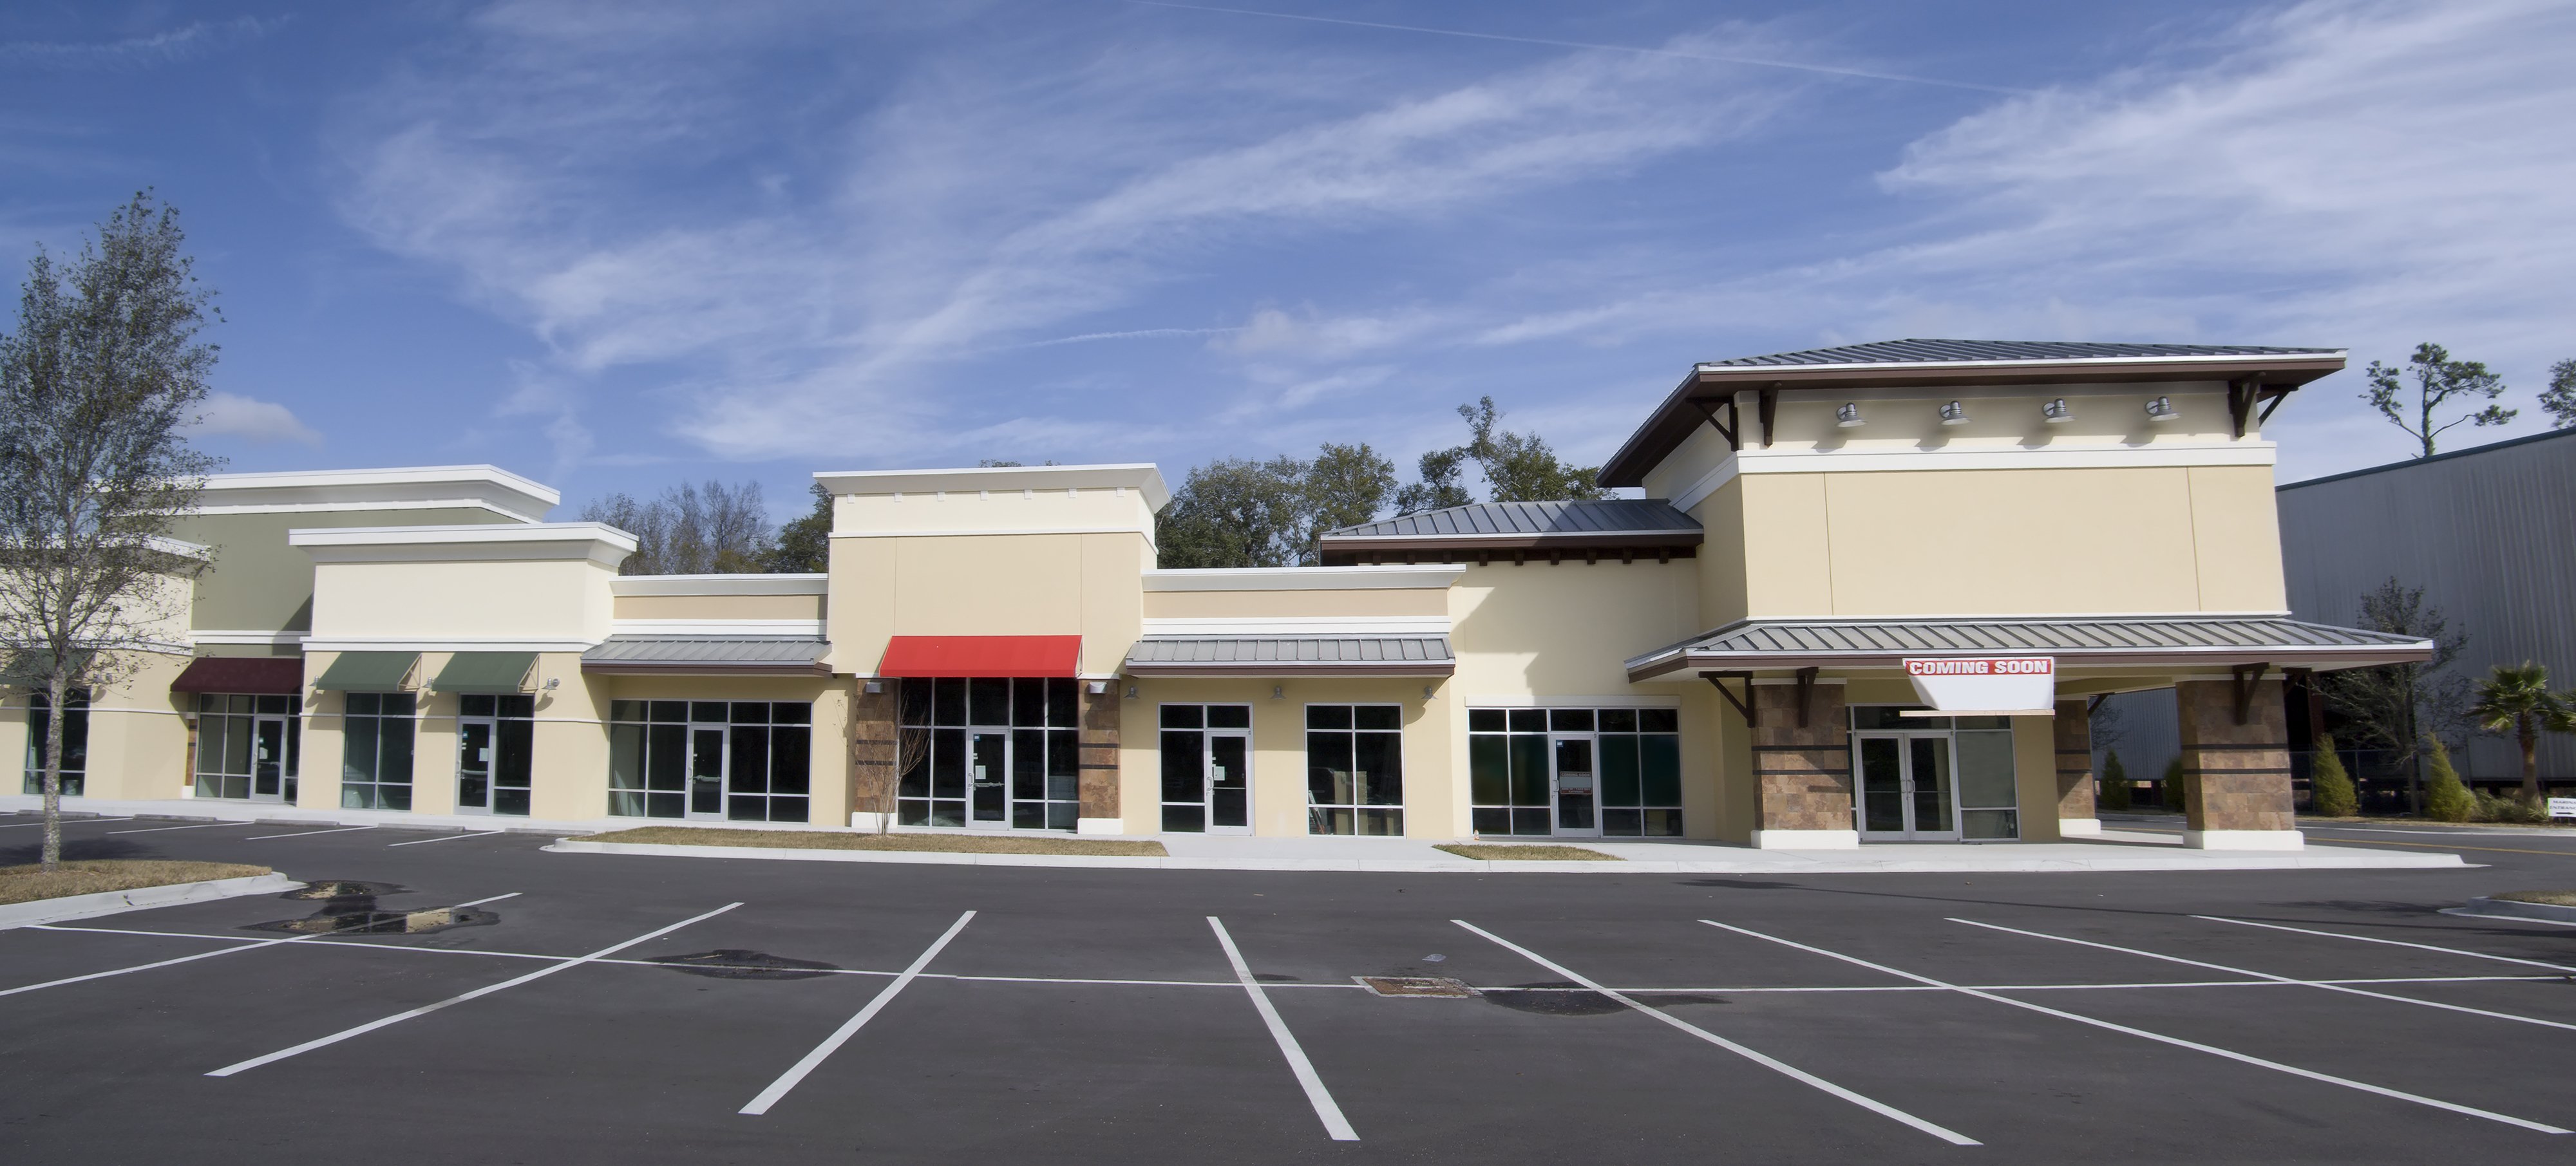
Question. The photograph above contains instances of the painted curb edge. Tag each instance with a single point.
(140, 898)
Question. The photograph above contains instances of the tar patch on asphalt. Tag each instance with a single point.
(1417, 987)
(734, 963)
(349, 908)
(1553, 998)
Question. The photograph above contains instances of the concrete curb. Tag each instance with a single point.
(1781, 864)
(2517, 909)
(112, 902)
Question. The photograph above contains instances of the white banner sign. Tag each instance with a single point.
(2562, 807)
(1986, 684)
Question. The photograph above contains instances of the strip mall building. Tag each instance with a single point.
(1867, 595)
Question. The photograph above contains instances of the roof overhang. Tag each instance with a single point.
(1286, 656)
(706, 656)
(1675, 418)
(1764, 645)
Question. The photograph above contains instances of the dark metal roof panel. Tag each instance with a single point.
(1947, 351)
(1402, 655)
(1749, 642)
(1606, 516)
(712, 653)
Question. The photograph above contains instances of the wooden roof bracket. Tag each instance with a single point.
(1733, 425)
(2279, 394)
(1745, 706)
(2095, 705)
(1806, 693)
(1770, 405)
(2247, 677)
(2241, 395)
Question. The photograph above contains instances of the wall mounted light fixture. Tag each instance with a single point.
(2162, 409)
(2055, 412)
(1954, 413)
(873, 687)
(1099, 686)
(1848, 416)
(1278, 691)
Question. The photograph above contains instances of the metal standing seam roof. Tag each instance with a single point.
(1607, 516)
(2211, 639)
(1978, 351)
(708, 654)
(1266, 655)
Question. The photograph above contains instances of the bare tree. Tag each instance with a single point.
(2398, 707)
(2438, 378)
(714, 529)
(911, 750)
(97, 389)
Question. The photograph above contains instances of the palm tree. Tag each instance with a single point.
(2517, 698)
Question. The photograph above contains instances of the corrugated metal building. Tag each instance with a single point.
(2489, 534)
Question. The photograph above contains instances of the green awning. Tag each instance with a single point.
(495, 673)
(368, 672)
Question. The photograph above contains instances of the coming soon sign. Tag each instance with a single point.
(1986, 684)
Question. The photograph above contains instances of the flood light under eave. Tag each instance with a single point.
(2162, 409)
(1954, 413)
(1848, 416)
(2056, 412)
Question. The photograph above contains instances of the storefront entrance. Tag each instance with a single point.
(1904, 787)
(1207, 768)
(495, 739)
(1932, 779)
(246, 747)
(737, 761)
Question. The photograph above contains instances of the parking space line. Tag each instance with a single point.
(1792, 1072)
(426, 1009)
(198, 826)
(1326, 1109)
(849, 1028)
(2178, 1042)
(306, 833)
(449, 838)
(2393, 943)
(2273, 978)
(246, 945)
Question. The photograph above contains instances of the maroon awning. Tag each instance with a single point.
(261, 675)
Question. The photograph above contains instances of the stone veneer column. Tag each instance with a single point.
(1802, 775)
(872, 754)
(2073, 726)
(1098, 761)
(2236, 778)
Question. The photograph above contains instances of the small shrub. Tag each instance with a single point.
(2330, 792)
(2510, 808)
(2115, 783)
(2445, 799)
(2172, 790)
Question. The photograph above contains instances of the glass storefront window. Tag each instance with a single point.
(740, 761)
(1355, 769)
(248, 747)
(1002, 752)
(375, 750)
(1519, 781)
(75, 771)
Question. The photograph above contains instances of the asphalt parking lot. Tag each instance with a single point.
(581, 1008)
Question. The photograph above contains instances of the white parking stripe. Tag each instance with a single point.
(2504, 959)
(449, 838)
(2178, 1042)
(246, 945)
(1792, 1072)
(306, 833)
(849, 1028)
(1326, 1109)
(198, 826)
(2275, 979)
(493, 899)
(486, 990)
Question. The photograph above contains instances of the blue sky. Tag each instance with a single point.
(613, 245)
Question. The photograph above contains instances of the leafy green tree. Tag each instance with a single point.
(1346, 485)
(2115, 782)
(1236, 512)
(2445, 798)
(1439, 488)
(2515, 698)
(2330, 792)
(2437, 379)
(2170, 789)
(1517, 467)
(714, 529)
(804, 545)
(2560, 398)
(98, 386)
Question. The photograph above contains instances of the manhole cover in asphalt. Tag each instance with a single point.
(1434, 987)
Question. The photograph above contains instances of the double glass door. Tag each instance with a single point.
(246, 748)
(1905, 787)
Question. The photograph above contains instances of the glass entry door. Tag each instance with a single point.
(706, 771)
(1229, 788)
(1904, 787)
(985, 766)
(1576, 791)
(474, 767)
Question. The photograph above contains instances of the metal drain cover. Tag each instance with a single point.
(1434, 987)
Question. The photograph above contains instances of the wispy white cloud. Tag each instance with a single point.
(233, 415)
(170, 46)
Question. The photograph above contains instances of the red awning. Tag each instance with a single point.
(982, 656)
(261, 675)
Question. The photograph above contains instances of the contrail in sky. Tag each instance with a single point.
(1570, 44)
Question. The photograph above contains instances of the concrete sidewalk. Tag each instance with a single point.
(2114, 850)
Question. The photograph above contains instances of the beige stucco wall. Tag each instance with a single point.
(987, 585)
(1000, 511)
(718, 607)
(138, 743)
(1354, 602)
(1434, 790)
(258, 583)
(2035, 777)
(532, 599)
(1563, 629)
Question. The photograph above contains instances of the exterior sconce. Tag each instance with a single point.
(1848, 416)
(873, 687)
(1426, 692)
(1954, 413)
(2055, 412)
(1099, 687)
(1278, 692)
(1131, 692)
(2162, 409)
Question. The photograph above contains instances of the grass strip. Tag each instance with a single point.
(26, 884)
(2551, 898)
(1525, 852)
(836, 840)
